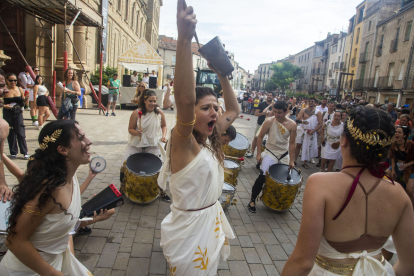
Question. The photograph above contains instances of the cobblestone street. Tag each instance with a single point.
(129, 243)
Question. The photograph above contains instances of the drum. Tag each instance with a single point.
(238, 147)
(279, 191)
(227, 195)
(231, 172)
(139, 176)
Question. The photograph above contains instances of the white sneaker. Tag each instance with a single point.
(28, 109)
(35, 124)
(313, 161)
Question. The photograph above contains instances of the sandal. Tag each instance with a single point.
(165, 197)
(305, 166)
(252, 208)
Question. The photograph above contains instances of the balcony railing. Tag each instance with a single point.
(314, 71)
(325, 53)
(378, 52)
(386, 82)
(330, 73)
(394, 46)
(322, 71)
(353, 61)
(363, 57)
(399, 84)
(358, 84)
(333, 83)
(342, 66)
(336, 66)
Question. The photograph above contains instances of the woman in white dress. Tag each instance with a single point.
(195, 234)
(349, 215)
(331, 150)
(153, 129)
(46, 205)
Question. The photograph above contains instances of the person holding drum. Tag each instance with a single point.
(228, 136)
(331, 134)
(195, 234)
(147, 132)
(348, 216)
(280, 146)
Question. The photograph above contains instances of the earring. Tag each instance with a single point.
(68, 157)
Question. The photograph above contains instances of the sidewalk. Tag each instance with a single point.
(129, 243)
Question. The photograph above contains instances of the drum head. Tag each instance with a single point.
(279, 172)
(144, 163)
(230, 164)
(228, 188)
(98, 164)
(240, 143)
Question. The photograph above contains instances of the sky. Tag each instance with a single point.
(262, 31)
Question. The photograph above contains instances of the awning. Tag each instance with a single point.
(53, 11)
(141, 57)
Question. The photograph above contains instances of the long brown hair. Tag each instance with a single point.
(65, 76)
(141, 102)
(215, 145)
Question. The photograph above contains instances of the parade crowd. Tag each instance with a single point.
(356, 213)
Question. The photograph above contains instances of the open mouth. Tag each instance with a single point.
(211, 125)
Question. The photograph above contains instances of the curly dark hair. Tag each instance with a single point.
(369, 119)
(46, 171)
(215, 145)
(141, 103)
(281, 105)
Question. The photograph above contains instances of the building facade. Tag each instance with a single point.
(336, 63)
(304, 59)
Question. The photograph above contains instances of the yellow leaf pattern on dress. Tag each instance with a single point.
(89, 273)
(172, 269)
(204, 259)
(282, 129)
(218, 226)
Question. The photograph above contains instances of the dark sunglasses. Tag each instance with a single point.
(15, 80)
(37, 70)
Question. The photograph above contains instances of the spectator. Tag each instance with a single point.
(134, 79)
(250, 105)
(390, 110)
(256, 103)
(40, 93)
(405, 121)
(146, 79)
(72, 91)
(113, 86)
(138, 92)
(12, 113)
(405, 111)
(245, 101)
(26, 82)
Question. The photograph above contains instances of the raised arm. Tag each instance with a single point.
(184, 82)
(232, 106)
(166, 102)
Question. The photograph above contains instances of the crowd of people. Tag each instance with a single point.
(351, 219)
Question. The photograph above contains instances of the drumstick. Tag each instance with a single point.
(234, 158)
(195, 34)
(139, 122)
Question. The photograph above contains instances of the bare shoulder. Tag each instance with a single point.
(290, 124)
(160, 111)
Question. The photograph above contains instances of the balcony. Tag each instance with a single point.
(325, 53)
(322, 71)
(394, 46)
(353, 61)
(386, 82)
(358, 84)
(399, 84)
(336, 66)
(333, 83)
(314, 71)
(330, 73)
(342, 66)
(378, 51)
(363, 57)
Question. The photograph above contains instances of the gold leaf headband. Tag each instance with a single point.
(51, 139)
(371, 137)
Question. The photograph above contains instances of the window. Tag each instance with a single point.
(361, 15)
(132, 17)
(137, 25)
(397, 35)
(308, 55)
(357, 38)
(119, 5)
(340, 46)
(126, 9)
(400, 77)
(369, 26)
(173, 60)
(408, 31)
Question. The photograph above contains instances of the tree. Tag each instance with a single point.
(107, 73)
(284, 74)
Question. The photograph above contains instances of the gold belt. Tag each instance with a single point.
(338, 268)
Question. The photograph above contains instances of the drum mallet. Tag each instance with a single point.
(139, 123)
(234, 158)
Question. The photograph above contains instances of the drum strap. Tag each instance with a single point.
(281, 157)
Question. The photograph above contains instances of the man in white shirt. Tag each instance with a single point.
(26, 82)
(146, 79)
(323, 107)
(134, 79)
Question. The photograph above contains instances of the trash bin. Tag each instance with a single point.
(81, 98)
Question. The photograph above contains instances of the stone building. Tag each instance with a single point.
(304, 59)
(39, 31)
(348, 80)
(377, 11)
(264, 72)
(336, 63)
(392, 65)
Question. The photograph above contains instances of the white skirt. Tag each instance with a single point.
(319, 271)
(329, 153)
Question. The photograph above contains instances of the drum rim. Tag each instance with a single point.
(234, 188)
(285, 184)
(238, 166)
(143, 175)
(90, 163)
(248, 143)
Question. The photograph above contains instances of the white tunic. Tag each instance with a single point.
(366, 265)
(278, 142)
(193, 241)
(332, 135)
(309, 142)
(52, 238)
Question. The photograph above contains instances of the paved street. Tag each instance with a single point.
(129, 243)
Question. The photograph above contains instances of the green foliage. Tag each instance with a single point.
(284, 74)
(107, 73)
(290, 93)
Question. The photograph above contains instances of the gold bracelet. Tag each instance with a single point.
(187, 124)
(183, 135)
(35, 213)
